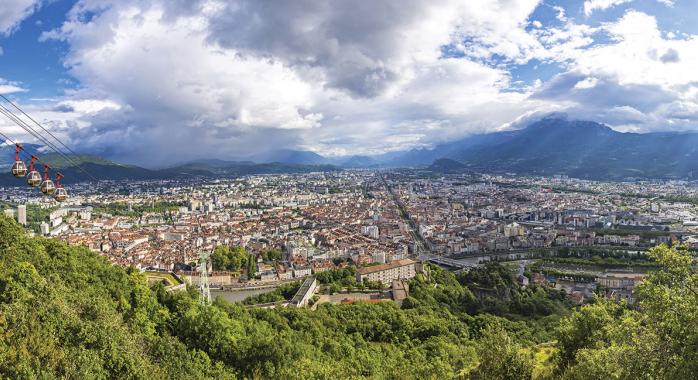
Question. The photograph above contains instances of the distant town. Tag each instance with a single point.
(583, 237)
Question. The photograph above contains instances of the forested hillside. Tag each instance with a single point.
(67, 313)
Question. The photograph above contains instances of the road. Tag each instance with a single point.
(421, 243)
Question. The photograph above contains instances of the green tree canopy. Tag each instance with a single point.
(66, 312)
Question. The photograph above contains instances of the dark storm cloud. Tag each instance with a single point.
(354, 44)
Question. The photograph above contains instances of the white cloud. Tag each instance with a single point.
(591, 5)
(586, 83)
(640, 55)
(12, 12)
(363, 50)
(240, 77)
(446, 99)
(498, 28)
(9, 87)
(86, 106)
(639, 81)
(560, 15)
(370, 49)
(168, 86)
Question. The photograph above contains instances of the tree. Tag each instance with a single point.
(220, 258)
(501, 358)
(656, 340)
(251, 265)
(271, 255)
(227, 258)
(585, 328)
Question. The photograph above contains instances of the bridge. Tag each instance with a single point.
(447, 262)
(305, 292)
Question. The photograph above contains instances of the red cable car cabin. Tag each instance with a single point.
(61, 193)
(47, 186)
(34, 177)
(19, 170)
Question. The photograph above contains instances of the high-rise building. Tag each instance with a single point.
(194, 205)
(22, 215)
(514, 229)
(44, 228)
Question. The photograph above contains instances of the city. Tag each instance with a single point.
(362, 218)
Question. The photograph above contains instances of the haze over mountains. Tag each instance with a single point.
(555, 145)
(551, 146)
(579, 149)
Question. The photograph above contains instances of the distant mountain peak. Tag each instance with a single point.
(556, 116)
(565, 125)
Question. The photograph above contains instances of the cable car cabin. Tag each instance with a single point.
(47, 186)
(61, 194)
(34, 177)
(19, 170)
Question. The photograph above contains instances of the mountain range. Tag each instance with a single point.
(580, 149)
(76, 169)
(550, 146)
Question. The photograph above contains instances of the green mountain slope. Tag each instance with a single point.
(103, 169)
(53, 159)
(67, 313)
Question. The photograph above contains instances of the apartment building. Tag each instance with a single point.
(404, 269)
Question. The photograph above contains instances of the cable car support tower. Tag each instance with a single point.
(203, 278)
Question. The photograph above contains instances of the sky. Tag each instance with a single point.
(153, 82)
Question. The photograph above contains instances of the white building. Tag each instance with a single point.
(268, 275)
(44, 228)
(22, 215)
(425, 231)
(59, 230)
(55, 222)
(514, 229)
(60, 213)
(85, 215)
(302, 271)
(370, 231)
(404, 269)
